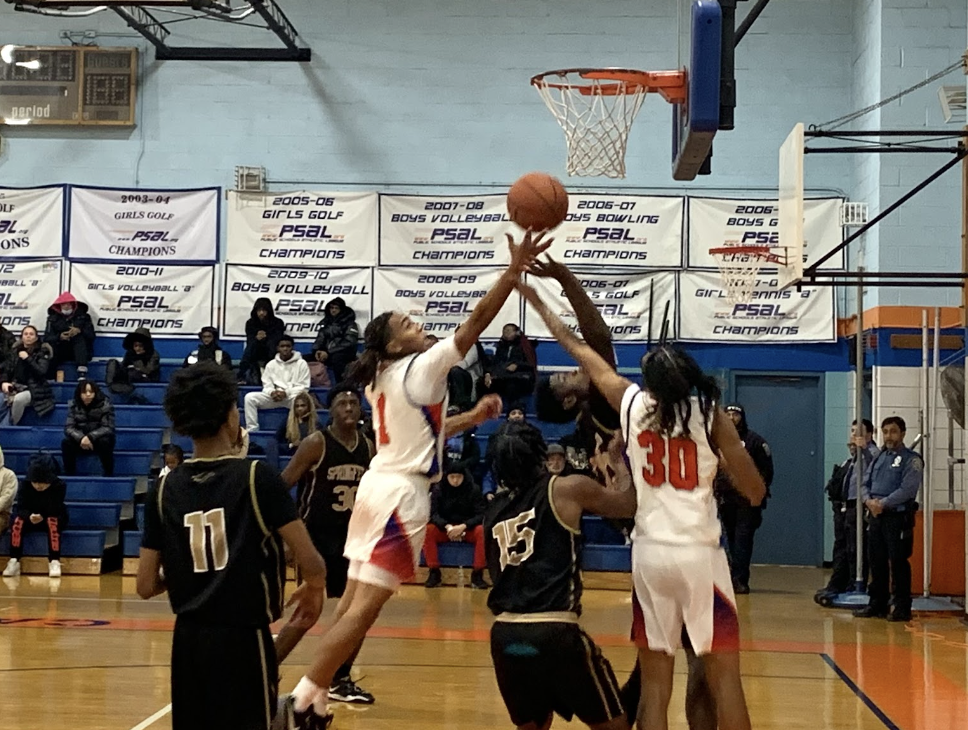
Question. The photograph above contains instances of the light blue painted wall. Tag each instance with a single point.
(838, 414)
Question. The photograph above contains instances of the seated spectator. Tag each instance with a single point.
(463, 380)
(70, 333)
(89, 429)
(8, 490)
(284, 377)
(174, 457)
(40, 506)
(209, 349)
(23, 379)
(456, 515)
(556, 461)
(7, 340)
(141, 364)
(262, 332)
(516, 414)
(337, 339)
(461, 449)
(303, 420)
(512, 370)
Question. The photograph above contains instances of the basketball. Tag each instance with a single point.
(537, 201)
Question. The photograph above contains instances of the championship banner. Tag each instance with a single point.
(304, 227)
(715, 223)
(27, 289)
(31, 222)
(441, 301)
(455, 230)
(621, 230)
(172, 301)
(167, 226)
(622, 299)
(298, 295)
(774, 315)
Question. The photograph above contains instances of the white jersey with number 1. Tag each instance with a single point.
(673, 477)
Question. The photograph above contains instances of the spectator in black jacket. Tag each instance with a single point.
(456, 515)
(209, 349)
(7, 340)
(40, 506)
(263, 331)
(70, 333)
(89, 429)
(461, 449)
(740, 518)
(141, 364)
(23, 378)
(511, 370)
(337, 338)
(516, 414)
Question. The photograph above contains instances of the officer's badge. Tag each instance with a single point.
(896, 463)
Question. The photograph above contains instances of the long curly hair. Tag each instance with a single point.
(672, 376)
(376, 337)
(519, 456)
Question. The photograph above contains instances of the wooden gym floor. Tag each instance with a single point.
(87, 653)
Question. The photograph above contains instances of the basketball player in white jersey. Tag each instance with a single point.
(676, 436)
(406, 385)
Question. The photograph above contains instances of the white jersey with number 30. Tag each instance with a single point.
(673, 477)
(409, 402)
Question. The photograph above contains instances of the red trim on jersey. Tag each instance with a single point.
(725, 624)
(639, 637)
(393, 552)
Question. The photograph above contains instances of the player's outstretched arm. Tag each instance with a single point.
(737, 463)
(576, 494)
(522, 256)
(590, 321)
(488, 407)
(311, 593)
(609, 383)
(150, 583)
(310, 451)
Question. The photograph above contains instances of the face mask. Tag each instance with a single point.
(67, 311)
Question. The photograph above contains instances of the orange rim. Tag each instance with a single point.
(671, 85)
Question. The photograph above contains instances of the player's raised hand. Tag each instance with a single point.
(548, 269)
(309, 604)
(490, 406)
(524, 254)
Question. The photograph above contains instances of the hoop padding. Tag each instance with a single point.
(596, 108)
(739, 267)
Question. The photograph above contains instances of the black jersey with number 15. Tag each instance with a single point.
(532, 556)
(216, 522)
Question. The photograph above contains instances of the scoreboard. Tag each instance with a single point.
(68, 85)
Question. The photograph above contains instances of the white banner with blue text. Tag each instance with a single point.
(622, 299)
(440, 298)
(302, 228)
(719, 222)
(164, 226)
(31, 222)
(27, 289)
(620, 231)
(298, 294)
(774, 314)
(170, 300)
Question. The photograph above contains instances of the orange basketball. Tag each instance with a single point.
(537, 201)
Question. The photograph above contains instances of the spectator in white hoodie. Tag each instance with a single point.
(284, 377)
(8, 490)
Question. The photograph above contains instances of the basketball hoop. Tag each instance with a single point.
(739, 267)
(596, 107)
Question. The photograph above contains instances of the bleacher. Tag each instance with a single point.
(106, 514)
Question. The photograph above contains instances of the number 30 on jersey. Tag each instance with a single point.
(683, 470)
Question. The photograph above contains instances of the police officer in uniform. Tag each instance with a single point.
(890, 490)
(842, 492)
(741, 519)
(327, 467)
(544, 662)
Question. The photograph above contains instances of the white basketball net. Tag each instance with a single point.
(739, 272)
(596, 124)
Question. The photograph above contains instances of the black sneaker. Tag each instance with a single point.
(900, 616)
(741, 589)
(434, 579)
(307, 720)
(346, 690)
(477, 580)
(870, 612)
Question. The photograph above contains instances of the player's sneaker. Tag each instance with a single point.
(346, 690)
(307, 720)
(12, 569)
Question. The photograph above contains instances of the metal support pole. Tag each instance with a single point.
(925, 450)
(859, 420)
(951, 462)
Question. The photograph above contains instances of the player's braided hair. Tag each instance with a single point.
(672, 376)
(519, 456)
(376, 337)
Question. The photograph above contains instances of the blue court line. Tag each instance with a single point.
(878, 712)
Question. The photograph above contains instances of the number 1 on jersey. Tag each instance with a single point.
(683, 472)
(383, 438)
